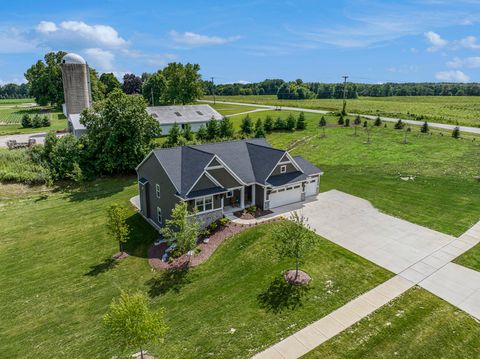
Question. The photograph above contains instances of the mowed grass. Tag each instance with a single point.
(226, 109)
(57, 282)
(16, 101)
(464, 110)
(415, 325)
(443, 194)
(11, 117)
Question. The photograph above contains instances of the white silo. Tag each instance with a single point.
(76, 84)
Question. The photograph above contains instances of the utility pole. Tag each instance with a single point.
(344, 94)
(213, 89)
(151, 94)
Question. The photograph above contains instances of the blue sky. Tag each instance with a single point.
(248, 41)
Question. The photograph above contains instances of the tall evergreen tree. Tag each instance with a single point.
(301, 124)
(174, 134)
(226, 128)
(212, 129)
(291, 122)
(187, 132)
(202, 134)
(268, 125)
(246, 127)
(259, 129)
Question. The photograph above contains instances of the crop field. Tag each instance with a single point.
(11, 118)
(464, 110)
(16, 101)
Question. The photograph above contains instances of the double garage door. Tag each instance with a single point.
(282, 196)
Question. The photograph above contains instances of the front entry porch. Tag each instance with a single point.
(238, 198)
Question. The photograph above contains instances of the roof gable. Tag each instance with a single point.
(264, 160)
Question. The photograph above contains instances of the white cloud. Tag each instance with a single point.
(101, 59)
(46, 26)
(243, 82)
(192, 39)
(435, 40)
(469, 62)
(14, 41)
(469, 42)
(452, 76)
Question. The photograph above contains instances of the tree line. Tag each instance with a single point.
(305, 90)
(175, 84)
(13, 91)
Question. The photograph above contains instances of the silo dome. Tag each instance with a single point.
(72, 58)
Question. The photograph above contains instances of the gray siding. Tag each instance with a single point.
(290, 168)
(224, 178)
(259, 196)
(203, 183)
(154, 173)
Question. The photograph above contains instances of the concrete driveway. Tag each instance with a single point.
(355, 224)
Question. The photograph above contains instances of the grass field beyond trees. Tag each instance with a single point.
(57, 282)
(444, 109)
(415, 325)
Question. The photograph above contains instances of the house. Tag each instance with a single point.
(195, 115)
(223, 177)
(74, 126)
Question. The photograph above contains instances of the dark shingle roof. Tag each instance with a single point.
(251, 160)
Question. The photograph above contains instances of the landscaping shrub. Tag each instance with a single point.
(347, 122)
(341, 120)
(291, 123)
(46, 121)
(301, 124)
(357, 120)
(424, 128)
(268, 125)
(251, 209)
(246, 127)
(26, 121)
(456, 132)
(280, 124)
(322, 122)
(365, 124)
(378, 121)
(37, 121)
(259, 129)
(223, 221)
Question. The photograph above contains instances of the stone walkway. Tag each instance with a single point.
(418, 255)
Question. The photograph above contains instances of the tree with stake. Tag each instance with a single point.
(405, 138)
(132, 324)
(182, 228)
(323, 123)
(293, 239)
(367, 130)
(117, 224)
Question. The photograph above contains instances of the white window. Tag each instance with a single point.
(159, 215)
(229, 194)
(204, 204)
(157, 190)
(283, 169)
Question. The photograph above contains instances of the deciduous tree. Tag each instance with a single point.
(117, 224)
(132, 84)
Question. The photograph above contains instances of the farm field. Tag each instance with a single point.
(10, 120)
(57, 283)
(415, 325)
(443, 109)
(16, 101)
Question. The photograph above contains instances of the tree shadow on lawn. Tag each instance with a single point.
(94, 189)
(105, 266)
(168, 280)
(281, 295)
(140, 237)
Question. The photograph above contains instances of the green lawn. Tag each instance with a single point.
(415, 325)
(444, 195)
(56, 284)
(16, 101)
(470, 259)
(445, 109)
(10, 120)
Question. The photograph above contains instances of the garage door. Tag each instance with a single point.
(286, 195)
(311, 187)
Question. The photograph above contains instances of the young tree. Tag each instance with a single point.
(119, 133)
(358, 120)
(173, 135)
(26, 121)
(182, 228)
(226, 128)
(117, 224)
(456, 132)
(424, 128)
(378, 121)
(268, 125)
(347, 122)
(280, 124)
(291, 123)
(341, 120)
(365, 123)
(301, 124)
(201, 133)
(407, 130)
(212, 129)
(132, 324)
(132, 84)
(187, 132)
(246, 127)
(322, 123)
(367, 130)
(259, 129)
(293, 239)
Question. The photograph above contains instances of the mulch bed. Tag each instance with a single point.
(246, 215)
(302, 277)
(155, 253)
(120, 255)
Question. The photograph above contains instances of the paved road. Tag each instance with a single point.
(475, 130)
(38, 136)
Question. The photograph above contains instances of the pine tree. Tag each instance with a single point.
(226, 128)
(202, 134)
(212, 129)
(358, 120)
(280, 124)
(301, 124)
(246, 127)
(187, 132)
(456, 132)
(424, 128)
(173, 135)
(347, 122)
(291, 123)
(399, 125)
(341, 120)
(268, 125)
(259, 129)
(378, 121)
(365, 124)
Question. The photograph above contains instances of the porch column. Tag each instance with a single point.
(253, 194)
(242, 197)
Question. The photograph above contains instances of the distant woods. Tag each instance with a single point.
(308, 90)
